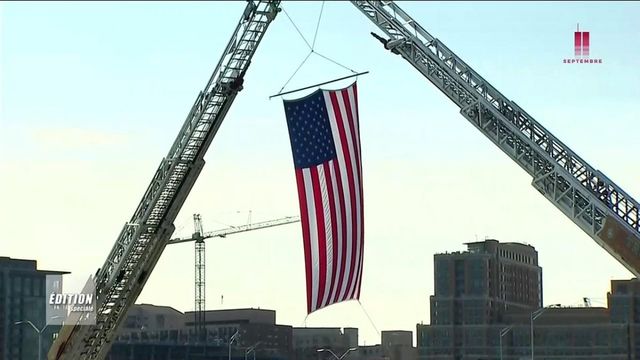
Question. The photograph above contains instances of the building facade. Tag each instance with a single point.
(22, 298)
(307, 340)
(483, 305)
(476, 288)
(161, 332)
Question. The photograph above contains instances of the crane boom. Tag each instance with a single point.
(143, 238)
(591, 200)
(237, 229)
(200, 262)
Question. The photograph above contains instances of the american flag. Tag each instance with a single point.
(325, 141)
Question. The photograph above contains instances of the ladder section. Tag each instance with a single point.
(591, 200)
(142, 240)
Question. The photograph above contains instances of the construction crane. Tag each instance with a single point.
(199, 236)
(585, 195)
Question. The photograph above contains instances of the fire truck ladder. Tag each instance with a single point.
(140, 243)
(585, 195)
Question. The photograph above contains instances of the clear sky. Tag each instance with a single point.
(93, 94)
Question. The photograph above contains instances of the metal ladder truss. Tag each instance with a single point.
(140, 243)
(590, 199)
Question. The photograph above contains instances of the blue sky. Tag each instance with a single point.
(93, 94)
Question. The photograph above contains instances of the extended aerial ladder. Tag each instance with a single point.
(143, 238)
(198, 237)
(585, 195)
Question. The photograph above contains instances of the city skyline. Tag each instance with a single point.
(90, 108)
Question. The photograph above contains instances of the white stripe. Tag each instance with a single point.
(328, 234)
(345, 186)
(356, 178)
(338, 234)
(313, 232)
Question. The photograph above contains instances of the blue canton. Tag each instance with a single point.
(309, 130)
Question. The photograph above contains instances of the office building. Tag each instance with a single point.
(478, 287)
(161, 332)
(22, 298)
(307, 340)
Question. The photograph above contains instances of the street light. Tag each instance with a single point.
(231, 340)
(535, 315)
(39, 331)
(336, 356)
(504, 332)
(250, 350)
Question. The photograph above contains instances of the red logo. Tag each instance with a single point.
(581, 43)
(581, 49)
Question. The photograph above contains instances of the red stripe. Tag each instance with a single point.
(355, 102)
(322, 240)
(306, 236)
(577, 43)
(347, 158)
(334, 225)
(343, 230)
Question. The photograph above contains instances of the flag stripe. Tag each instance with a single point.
(322, 240)
(304, 216)
(352, 93)
(342, 229)
(333, 223)
(313, 235)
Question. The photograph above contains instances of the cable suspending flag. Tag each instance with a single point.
(325, 141)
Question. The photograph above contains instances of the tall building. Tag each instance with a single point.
(476, 288)
(479, 285)
(22, 298)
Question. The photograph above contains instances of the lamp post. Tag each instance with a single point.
(250, 350)
(38, 331)
(231, 340)
(504, 332)
(336, 356)
(535, 315)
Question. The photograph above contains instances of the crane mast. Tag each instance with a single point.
(585, 195)
(200, 274)
(143, 238)
(199, 236)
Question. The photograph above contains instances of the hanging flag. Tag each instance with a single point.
(325, 141)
